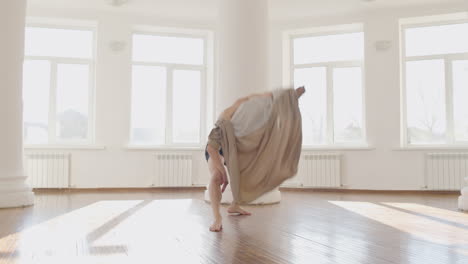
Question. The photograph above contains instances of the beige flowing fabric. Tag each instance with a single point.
(260, 161)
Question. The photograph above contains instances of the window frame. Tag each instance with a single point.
(53, 139)
(288, 77)
(448, 59)
(206, 84)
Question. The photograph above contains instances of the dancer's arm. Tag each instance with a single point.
(267, 94)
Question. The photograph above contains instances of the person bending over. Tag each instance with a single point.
(247, 114)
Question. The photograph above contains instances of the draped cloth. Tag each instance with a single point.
(260, 161)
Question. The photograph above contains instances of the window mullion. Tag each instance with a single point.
(364, 103)
(403, 106)
(292, 66)
(91, 104)
(449, 101)
(178, 66)
(203, 107)
(53, 103)
(330, 123)
(169, 103)
(404, 140)
(203, 95)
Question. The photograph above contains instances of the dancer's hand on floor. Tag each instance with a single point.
(224, 178)
(225, 181)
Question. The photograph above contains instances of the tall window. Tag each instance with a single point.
(330, 66)
(58, 85)
(435, 80)
(168, 89)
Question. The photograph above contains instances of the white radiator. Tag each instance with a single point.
(48, 170)
(320, 170)
(445, 171)
(173, 170)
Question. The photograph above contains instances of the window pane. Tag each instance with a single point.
(347, 104)
(437, 40)
(342, 47)
(58, 42)
(72, 101)
(313, 104)
(179, 50)
(36, 85)
(148, 105)
(460, 97)
(425, 101)
(186, 106)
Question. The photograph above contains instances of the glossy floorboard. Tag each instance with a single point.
(171, 226)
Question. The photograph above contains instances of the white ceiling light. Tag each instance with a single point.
(117, 46)
(383, 45)
(117, 2)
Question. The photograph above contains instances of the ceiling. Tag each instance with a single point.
(188, 9)
(290, 9)
(279, 9)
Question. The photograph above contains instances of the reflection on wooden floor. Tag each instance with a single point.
(171, 226)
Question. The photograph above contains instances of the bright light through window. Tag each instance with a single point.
(446, 39)
(72, 101)
(313, 104)
(436, 84)
(175, 50)
(65, 43)
(167, 89)
(148, 105)
(347, 104)
(340, 47)
(460, 98)
(57, 89)
(186, 106)
(425, 84)
(36, 87)
(330, 67)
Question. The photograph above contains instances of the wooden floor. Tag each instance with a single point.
(169, 226)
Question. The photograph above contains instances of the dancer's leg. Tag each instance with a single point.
(214, 190)
(235, 208)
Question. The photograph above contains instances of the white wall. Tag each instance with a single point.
(382, 167)
(116, 166)
(385, 166)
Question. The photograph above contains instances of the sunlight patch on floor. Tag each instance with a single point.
(444, 214)
(415, 225)
(106, 231)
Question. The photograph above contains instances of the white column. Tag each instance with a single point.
(243, 61)
(242, 51)
(463, 199)
(13, 191)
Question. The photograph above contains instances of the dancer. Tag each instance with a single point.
(259, 139)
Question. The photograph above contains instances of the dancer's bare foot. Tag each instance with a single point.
(300, 91)
(217, 225)
(235, 209)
